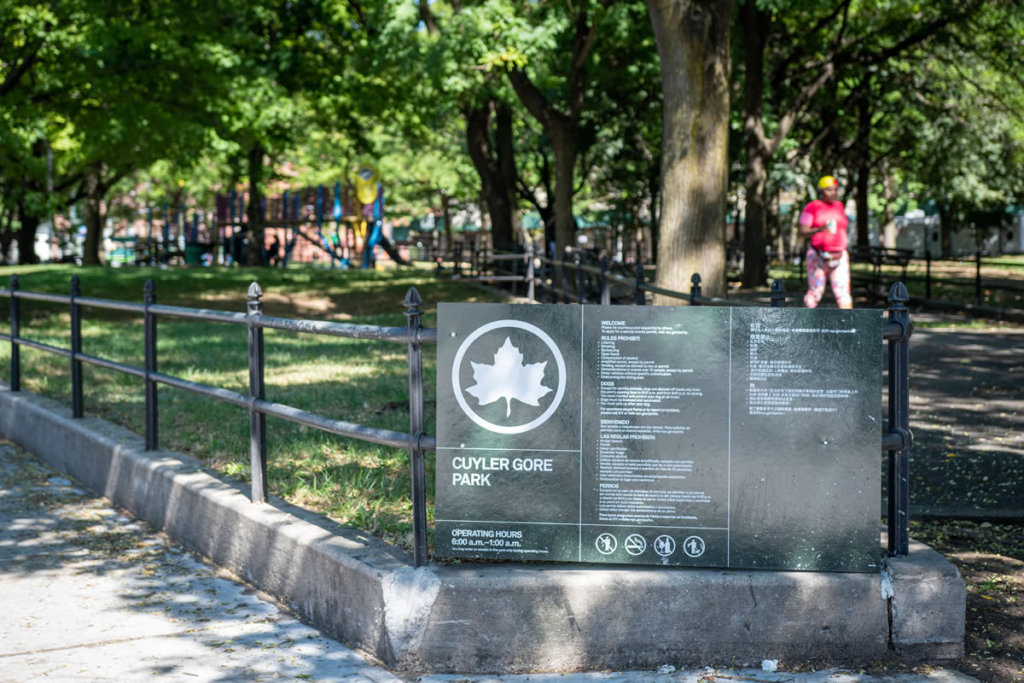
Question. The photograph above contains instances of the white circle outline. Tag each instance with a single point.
(670, 539)
(457, 387)
(703, 547)
(643, 545)
(615, 543)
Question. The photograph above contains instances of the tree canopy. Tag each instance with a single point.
(619, 110)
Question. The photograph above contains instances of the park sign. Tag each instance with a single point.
(679, 436)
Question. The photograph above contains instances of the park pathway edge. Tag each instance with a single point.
(504, 618)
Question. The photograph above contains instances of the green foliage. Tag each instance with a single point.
(142, 95)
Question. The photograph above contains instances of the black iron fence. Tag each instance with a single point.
(583, 277)
(896, 441)
(414, 335)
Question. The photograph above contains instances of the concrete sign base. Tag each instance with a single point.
(493, 618)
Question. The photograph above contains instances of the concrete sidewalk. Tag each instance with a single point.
(90, 594)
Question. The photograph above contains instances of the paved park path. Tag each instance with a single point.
(967, 415)
(89, 594)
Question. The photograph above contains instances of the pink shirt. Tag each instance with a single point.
(817, 214)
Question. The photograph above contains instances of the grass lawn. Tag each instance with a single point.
(351, 482)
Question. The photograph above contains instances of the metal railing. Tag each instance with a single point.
(414, 335)
(572, 280)
(897, 441)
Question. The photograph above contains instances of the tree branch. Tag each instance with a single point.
(21, 68)
(531, 97)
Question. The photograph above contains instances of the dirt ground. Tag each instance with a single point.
(991, 560)
(967, 479)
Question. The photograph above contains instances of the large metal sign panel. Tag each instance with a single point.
(685, 436)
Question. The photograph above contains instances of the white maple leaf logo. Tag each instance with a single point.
(508, 378)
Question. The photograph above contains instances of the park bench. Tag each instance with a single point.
(874, 285)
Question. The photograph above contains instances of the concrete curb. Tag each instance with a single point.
(485, 618)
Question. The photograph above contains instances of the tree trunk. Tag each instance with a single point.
(863, 162)
(889, 226)
(254, 213)
(95, 190)
(31, 187)
(693, 44)
(27, 236)
(6, 236)
(505, 146)
(561, 125)
(564, 145)
(946, 217)
(755, 227)
(496, 192)
(446, 217)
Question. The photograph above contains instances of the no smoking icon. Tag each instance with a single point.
(635, 544)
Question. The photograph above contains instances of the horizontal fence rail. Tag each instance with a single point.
(569, 280)
(896, 332)
(416, 441)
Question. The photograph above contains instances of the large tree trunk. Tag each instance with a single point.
(496, 192)
(755, 226)
(693, 44)
(254, 213)
(95, 190)
(505, 146)
(564, 145)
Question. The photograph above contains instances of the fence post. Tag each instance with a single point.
(257, 391)
(606, 294)
(778, 294)
(977, 278)
(927, 273)
(457, 257)
(640, 297)
(418, 461)
(77, 409)
(550, 273)
(15, 333)
(149, 325)
(581, 278)
(531, 293)
(695, 289)
(565, 276)
(899, 422)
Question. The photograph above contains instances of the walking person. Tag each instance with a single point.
(824, 221)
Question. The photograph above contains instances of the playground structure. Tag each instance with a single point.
(343, 228)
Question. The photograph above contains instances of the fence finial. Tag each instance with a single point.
(413, 298)
(778, 299)
(76, 286)
(14, 281)
(255, 291)
(898, 295)
(695, 291)
(149, 291)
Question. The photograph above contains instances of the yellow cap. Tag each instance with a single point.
(827, 181)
